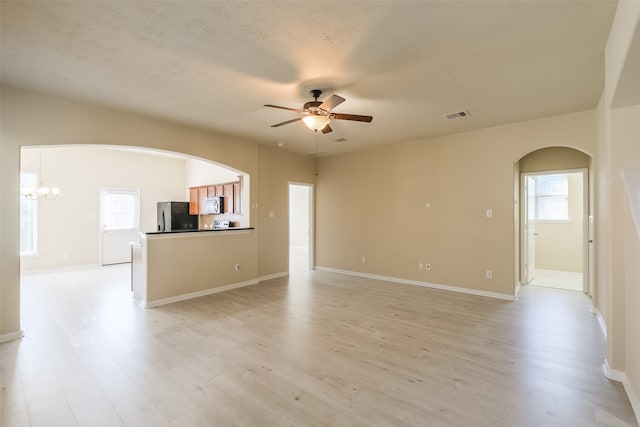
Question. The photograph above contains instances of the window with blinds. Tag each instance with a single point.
(552, 197)
(28, 216)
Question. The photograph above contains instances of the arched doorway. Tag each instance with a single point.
(69, 231)
(555, 223)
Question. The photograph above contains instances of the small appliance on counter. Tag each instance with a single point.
(220, 224)
(174, 216)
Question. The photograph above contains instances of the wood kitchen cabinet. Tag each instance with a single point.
(202, 195)
(230, 191)
(236, 197)
(194, 206)
(228, 198)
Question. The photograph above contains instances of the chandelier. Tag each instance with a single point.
(41, 191)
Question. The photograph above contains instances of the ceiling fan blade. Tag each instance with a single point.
(283, 108)
(354, 117)
(286, 123)
(331, 103)
(326, 129)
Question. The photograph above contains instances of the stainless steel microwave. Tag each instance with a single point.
(214, 205)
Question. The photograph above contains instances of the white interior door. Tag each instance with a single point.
(120, 224)
(529, 227)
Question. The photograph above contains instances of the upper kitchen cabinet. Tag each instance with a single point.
(194, 206)
(230, 191)
(202, 198)
(228, 198)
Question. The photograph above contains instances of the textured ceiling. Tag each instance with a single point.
(214, 64)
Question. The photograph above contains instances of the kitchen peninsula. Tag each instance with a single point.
(174, 266)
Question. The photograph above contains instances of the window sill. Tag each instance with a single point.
(28, 256)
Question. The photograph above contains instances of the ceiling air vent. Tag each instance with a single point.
(457, 115)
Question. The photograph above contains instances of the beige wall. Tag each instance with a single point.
(625, 137)
(34, 119)
(188, 263)
(373, 204)
(198, 172)
(69, 226)
(554, 159)
(632, 278)
(277, 168)
(618, 249)
(559, 245)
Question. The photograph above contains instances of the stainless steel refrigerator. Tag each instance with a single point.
(174, 216)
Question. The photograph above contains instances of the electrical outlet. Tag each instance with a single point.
(489, 213)
(489, 274)
(427, 266)
(420, 266)
(236, 267)
(364, 259)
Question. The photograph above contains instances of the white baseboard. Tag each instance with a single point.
(272, 276)
(423, 284)
(11, 336)
(561, 272)
(612, 374)
(601, 321)
(620, 376)
(190, 295)
(633, 398)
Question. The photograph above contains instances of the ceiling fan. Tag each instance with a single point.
(317, 115)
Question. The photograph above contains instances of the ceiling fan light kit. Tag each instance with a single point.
(316, 122)
(317, 115)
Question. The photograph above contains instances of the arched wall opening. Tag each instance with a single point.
(36, 119)
(548, 162)
(67, 228)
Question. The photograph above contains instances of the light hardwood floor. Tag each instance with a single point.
(315, 348)
(569, 281)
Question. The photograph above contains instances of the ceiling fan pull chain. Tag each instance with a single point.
(316, 133)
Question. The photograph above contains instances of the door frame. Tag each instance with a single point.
(525, 236)
(586, 247)
(312, 227)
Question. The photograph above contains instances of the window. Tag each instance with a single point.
(552, 197)
(120, 210)
(28, 215)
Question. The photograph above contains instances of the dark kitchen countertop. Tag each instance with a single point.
(200, 231)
